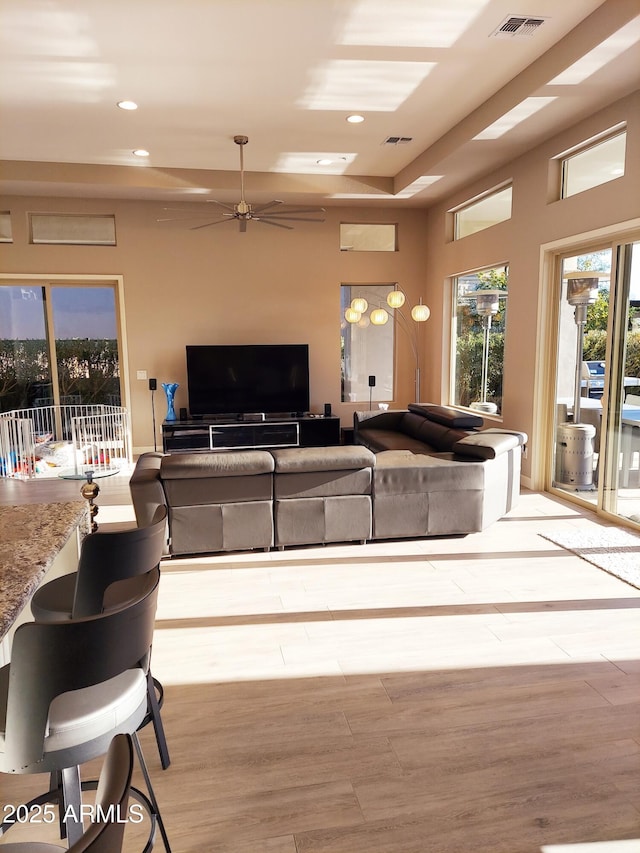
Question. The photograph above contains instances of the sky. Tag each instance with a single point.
(78, 312)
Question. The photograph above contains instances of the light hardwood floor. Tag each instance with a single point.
(457, 695)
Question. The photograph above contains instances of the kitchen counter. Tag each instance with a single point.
(34, 537)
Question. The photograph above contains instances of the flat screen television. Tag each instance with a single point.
(235, 379)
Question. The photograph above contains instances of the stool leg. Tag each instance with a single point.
(152, 796)
(71, 804)
(158, 727)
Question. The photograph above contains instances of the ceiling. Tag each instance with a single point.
(287, 73)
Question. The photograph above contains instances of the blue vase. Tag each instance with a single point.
(170, 389)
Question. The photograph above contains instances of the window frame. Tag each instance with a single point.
(455, 395)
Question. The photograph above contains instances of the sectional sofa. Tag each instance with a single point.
(425, 471)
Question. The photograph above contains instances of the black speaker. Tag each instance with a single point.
(372, 382)
(327, 410)
(183, 415)
(153, 384)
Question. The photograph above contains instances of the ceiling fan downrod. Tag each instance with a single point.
(242, 208)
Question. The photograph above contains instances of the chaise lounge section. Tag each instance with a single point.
(437, 473)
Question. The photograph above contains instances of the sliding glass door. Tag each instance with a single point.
(596, 443)
(620, 493)
(58, 345)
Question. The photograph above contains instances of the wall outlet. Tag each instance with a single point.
(141, 374)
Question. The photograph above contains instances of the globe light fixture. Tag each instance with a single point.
(420, 312)
(359, 304)
(396, 298)
(352, 316)
(379, 316)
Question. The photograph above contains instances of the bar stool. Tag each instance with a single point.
(109, 565)
(106, 832)
(69, 689)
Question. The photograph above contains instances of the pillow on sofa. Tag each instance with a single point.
(449, 417)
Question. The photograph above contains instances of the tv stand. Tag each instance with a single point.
(196, 434)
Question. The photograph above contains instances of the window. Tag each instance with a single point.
(594, 165)
(73, 229)
(366, 348)
(480, 319)
(5, 227)
(368, 237)
(79, 365)
(483, 213)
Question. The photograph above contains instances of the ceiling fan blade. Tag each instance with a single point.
(293, 218)
(271, 222)
(207, 224)
(299, 210)
(222, 204)
(262, 207)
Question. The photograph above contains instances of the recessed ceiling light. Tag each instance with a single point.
(141, 152)
(127, 105)
(324, 162)
(355, 119)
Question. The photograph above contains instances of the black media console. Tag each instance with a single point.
(221, 434)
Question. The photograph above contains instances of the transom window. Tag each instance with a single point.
(594, 165)
(492, 208)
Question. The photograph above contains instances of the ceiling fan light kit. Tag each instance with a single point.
(269, 214)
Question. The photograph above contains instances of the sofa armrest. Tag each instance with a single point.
(146, 489)
(489, 443)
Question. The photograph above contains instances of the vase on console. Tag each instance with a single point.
(170, 389)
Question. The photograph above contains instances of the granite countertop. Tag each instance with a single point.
(31, 536)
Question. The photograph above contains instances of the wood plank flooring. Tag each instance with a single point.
(476, 694)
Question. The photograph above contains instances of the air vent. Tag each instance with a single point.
(518, 25)
(397, 140)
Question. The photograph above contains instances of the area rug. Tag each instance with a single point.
(615, 550)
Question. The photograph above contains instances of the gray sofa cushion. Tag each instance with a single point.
(388, 439)
(439, 436)
(402, 472)
(219, 477)
(221, 527)
(218, 463)
(341, 458)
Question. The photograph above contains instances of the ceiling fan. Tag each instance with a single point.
(243, 212)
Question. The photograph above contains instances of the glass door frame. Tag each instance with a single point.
(615, 238)
(116, 281)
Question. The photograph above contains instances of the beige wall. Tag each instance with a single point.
(216, 285)
(536, 220)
